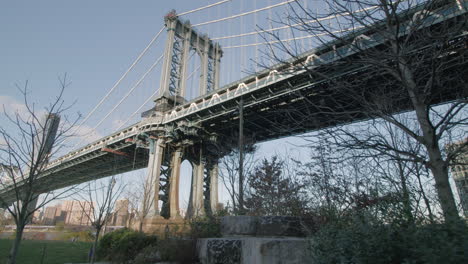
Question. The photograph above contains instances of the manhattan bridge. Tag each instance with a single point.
(203, 128)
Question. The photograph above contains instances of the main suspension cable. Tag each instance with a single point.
(130, 91)
(291, 39)
(244, 14)
(120, 80)
(294, 25)
(204, 7)
(126, 95)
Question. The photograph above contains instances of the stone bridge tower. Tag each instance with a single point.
(171, 145)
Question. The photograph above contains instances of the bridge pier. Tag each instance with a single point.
(166, 155)
(155, 160)
(213, 172)
(176, 161)
(163, 179)
(195, 207)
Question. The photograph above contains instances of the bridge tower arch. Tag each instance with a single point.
(181, 40)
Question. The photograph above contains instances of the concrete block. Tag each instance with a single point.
(220, 250)
(241, 225)
(248, 250)
(280, 226)
(261, 226)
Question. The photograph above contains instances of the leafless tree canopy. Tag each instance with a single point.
(141, 199)
(229, 174)
(395, 63)
(97, 201)
(28, 140)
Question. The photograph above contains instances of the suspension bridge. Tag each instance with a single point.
(198, 121)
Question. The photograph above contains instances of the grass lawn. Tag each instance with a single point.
(56, 252)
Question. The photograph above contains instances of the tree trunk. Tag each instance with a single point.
(14, 250)
(429, 140)
(93, 253)
(444, 192)
(140, 228)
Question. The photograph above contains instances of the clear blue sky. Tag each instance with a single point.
(94, 42)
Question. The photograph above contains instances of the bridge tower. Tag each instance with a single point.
(166, 151)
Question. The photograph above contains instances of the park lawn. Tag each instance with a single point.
(56, 252)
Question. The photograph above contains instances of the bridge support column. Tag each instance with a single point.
(196, 203)
(204, 71)
(213, 172)
(174, 211)
(151, 199)
(184, 61)
(217, 63)
(31, 208)
(168, 51)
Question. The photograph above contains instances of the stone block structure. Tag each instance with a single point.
(262, 239)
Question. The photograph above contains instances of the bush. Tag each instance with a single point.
(123, 245)
(178, 250)
(171, 250)
(149, 254)
(203, 227)
(362, 238)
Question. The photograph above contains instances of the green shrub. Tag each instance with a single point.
(362, 238)
(123, 245)
(171, 250)
(203, 227)
(178, 250)
(149, 254)
(108, 241)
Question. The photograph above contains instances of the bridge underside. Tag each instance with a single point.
(300, 103)
(304, 103)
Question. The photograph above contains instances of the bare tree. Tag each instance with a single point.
(382, 58)
(229, 174)
(97, 201)
(28, 140)
(141, 199)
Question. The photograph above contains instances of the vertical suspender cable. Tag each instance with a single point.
(126, 96)
(256, 38)
(242, 51)
(270, 37)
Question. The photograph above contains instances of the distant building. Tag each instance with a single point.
(37, 216)
(49, 215)
(460, 176)
(78, 212)
(120, 215)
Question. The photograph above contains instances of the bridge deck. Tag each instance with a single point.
(273, 98)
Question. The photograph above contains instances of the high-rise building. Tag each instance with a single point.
(460, 174)
(78, 212)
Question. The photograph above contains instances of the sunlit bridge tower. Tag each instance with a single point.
(170, 146)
